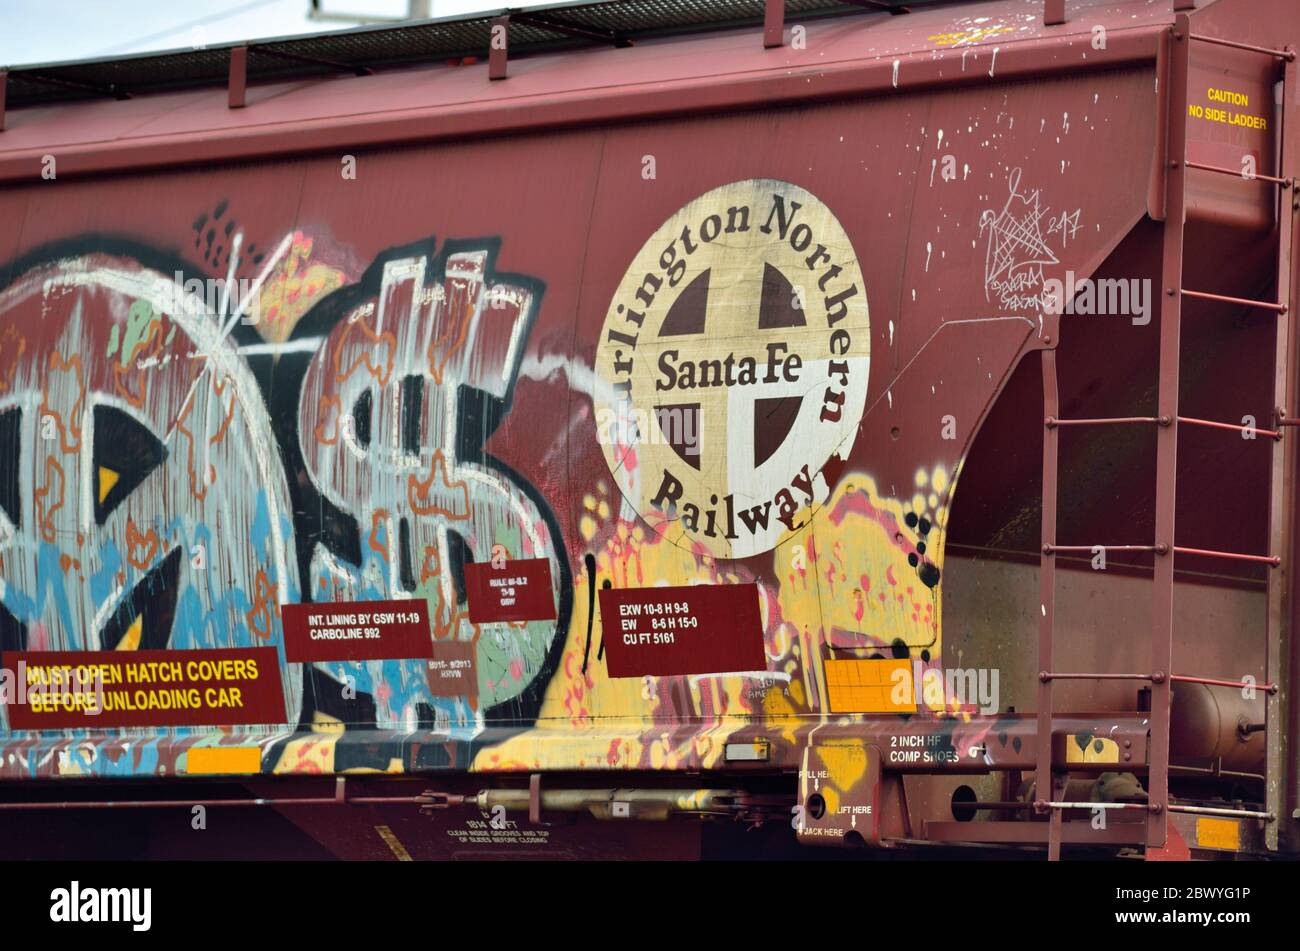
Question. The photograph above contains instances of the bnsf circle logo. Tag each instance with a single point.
(733, 363)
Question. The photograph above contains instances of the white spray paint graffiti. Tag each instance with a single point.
(382, 415)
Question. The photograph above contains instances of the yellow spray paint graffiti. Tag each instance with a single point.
(852, 581)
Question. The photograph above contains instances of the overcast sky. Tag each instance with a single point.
(44, 31)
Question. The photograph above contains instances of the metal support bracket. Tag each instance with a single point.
(499, 47)
(773, 23)
(774, 17)
(237, 84)
(535, 799)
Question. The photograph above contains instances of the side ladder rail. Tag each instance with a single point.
(1162, 677)
(1282, 474)
(1044, 790)
(1279, 510)
(1162, 611)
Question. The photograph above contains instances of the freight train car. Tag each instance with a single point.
(871, 425)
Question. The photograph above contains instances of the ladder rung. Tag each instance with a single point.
(1052, 422)
(1093, 805)
(1088, 549)
(1236, 173)
(1046, 675)
(1223, 299)
(1286, 54)
(1230, 555)
(1145, 807)
(1212, 424)
(1183, 678)
(1213, 811)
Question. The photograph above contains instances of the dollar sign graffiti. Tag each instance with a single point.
(391, 427)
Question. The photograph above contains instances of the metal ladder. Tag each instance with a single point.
(1050, 782)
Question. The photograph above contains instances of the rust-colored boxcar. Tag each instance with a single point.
(877, 423)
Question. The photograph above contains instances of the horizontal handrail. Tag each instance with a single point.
(1244, 684)
(1052, 422)
(1046, 675)
(1088, 549)
(1271, 560)
(1237, 173)
(1287, 54)
(1232, 427)
(1244, 301)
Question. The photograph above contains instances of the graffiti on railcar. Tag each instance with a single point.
(730, 383)
(1020, 248)
(144, 506)
(415, 372)
(179, 463)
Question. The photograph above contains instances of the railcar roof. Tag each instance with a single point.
(541, 27)
(586, 50)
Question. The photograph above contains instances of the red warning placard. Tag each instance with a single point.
(515, 591)
(696, 629)
(57, 690)
(357, 630)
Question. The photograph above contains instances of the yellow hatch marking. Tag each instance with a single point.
(1218, 833)
(868, 686)
(223, 759)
